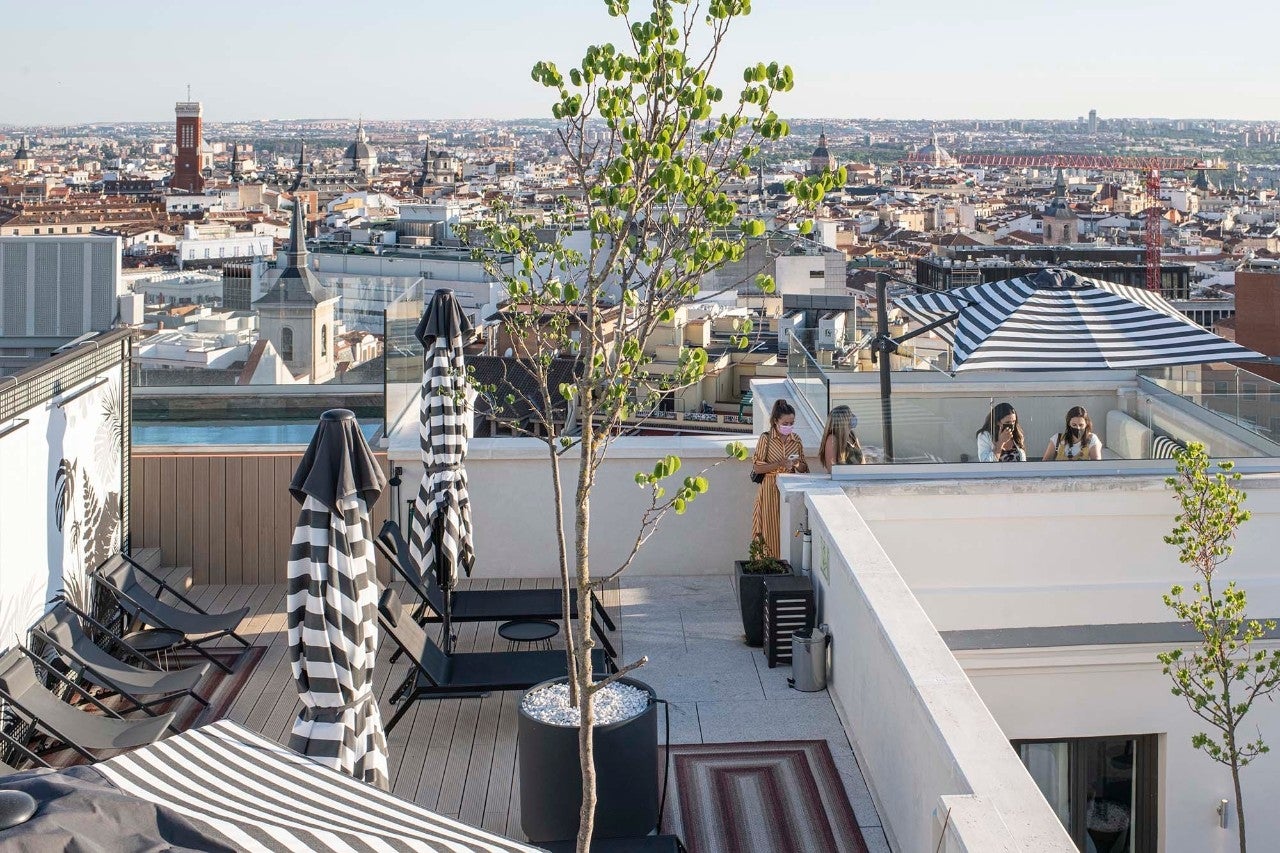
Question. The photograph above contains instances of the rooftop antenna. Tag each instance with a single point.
(188, 92)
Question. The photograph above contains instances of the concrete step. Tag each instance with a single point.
(178, 577)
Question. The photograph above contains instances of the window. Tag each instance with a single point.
(324, 341)
(1104, 790)
(1249, 390)
(286, 343)
(817, 274)
(1221, 388)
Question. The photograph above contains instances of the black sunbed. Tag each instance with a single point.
(61, 630)
(434, 674)
(79, 730)
(483, 605)
(120, 575)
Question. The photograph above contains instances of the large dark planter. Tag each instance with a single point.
(751, 600)
(626, 758)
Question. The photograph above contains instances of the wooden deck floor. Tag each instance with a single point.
(458, 756)
(453, 756)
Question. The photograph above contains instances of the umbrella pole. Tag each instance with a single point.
(883, 347)
(446, 618)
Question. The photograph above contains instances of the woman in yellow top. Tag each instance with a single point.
(779, 451)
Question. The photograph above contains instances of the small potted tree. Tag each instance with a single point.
(752, 572)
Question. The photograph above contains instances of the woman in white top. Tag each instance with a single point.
(1077, 441)
(1000, 439)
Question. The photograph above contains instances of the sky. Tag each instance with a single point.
(78, 61)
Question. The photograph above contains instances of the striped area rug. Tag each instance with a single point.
(780, 796)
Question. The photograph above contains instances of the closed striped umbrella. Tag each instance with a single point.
(1057, 320)
(333, 602)
(261, 797)
(440, 527)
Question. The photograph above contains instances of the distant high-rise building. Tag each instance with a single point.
(53, 289)
(1093, 122)
(189, 138)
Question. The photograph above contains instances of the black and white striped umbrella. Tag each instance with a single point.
(1057, 320)
(440, 528)
(333, 602)
(261, 797)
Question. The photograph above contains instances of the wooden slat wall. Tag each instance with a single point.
(228, 516)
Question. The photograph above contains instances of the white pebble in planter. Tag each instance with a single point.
(613, 704)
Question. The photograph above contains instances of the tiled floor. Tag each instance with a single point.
(721, 690)
(458, 756)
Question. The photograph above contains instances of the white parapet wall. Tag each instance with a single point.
(511, 505)
(921, 732)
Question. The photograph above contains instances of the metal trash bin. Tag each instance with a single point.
(809, 660)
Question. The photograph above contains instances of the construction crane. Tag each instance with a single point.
(1149, 167)
(1070, 161)
(1153, 218)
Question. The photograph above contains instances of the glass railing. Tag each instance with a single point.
(1245, 399)
(808, 377)
(402, 371)
(940, 428)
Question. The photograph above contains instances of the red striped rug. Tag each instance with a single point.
(779, 796)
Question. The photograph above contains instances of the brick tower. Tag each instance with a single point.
(186, 169)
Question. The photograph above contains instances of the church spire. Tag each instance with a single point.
(296, 257)
(302, 159)
(235, 163)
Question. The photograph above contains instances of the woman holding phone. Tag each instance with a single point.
(1000, 437)
(779, 451)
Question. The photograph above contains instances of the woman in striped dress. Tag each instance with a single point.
(779, 451)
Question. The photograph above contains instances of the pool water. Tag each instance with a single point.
(234, 432)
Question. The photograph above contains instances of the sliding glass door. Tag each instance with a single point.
(1102, 789)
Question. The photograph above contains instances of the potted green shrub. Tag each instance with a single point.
(751, 572)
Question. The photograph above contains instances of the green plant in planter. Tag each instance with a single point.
(760, 561)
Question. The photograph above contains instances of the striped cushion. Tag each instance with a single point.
(1163, 447)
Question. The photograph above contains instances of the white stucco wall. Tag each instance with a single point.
(919, 729)
(1054, 550)
(1081, 551)
(510, 480)
(1120, 690)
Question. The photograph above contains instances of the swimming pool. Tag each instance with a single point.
(233, 432)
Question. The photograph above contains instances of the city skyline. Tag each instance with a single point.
(416, 63)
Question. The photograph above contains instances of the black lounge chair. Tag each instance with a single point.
(120, 575)
(80, 730)
(434, 674)
(483, 605)
(21, 748)
(60, 630)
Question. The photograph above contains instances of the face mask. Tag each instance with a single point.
(1074, 432)
(786, 430)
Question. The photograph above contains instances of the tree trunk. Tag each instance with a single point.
(1235, 779)
(570, 642)
(586, 729)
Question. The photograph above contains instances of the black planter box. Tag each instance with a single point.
(751, 600)
(626, 758)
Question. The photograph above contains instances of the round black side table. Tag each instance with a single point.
(535, 632)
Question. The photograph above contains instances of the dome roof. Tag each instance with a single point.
(23, 153)
(821, 150)
(360, 149)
